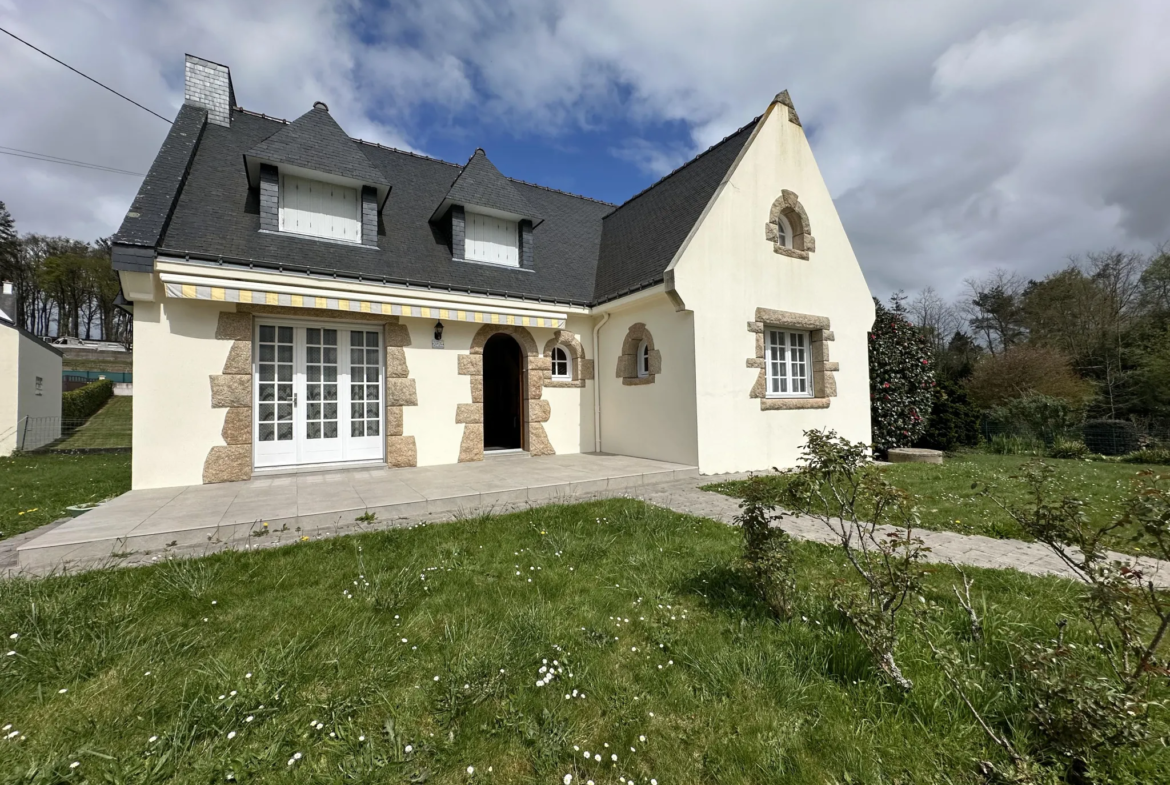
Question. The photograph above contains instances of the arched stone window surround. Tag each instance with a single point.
(627, 364)
(798, 242)
(823, 370)
(536, 411)
(580, 369)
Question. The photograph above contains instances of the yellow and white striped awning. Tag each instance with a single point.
(200, 288)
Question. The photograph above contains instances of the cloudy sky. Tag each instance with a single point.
(956, 137)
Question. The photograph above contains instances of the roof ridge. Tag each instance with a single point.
(413, 154)
(671, 174)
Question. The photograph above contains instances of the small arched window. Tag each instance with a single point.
(643, 360)
(560, 363)
(783, 232)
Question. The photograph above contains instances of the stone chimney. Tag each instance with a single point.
(209, 85)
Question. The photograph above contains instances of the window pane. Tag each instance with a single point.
(357, 392)
(371, 356)
(357, 374)
(356, 356)
(357, 338)
(284, 353)
(355, 411)
(313, 336)
(372, 428)
(267, 333)
(330, 337)
(372, 340)
(330, 429)
(313, 430)
(267, 353)
(284, 373)
(267, 372)
(286, 334)
(357, 428)
(267, 433)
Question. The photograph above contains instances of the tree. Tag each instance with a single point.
(1023, 370)
(993, 311)
(901, 380)
(935, 317)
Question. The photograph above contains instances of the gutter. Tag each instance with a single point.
(597, 384)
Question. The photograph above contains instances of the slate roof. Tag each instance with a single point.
(584, 251)
(481, 184)
(156, 196)
(642, 236)
(315, 141)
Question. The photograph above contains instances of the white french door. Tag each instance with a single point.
(317, 394)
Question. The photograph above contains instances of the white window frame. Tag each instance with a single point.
(643, 357)
(343, 226)
(783, 232)
(565, 361)
(787, 363)
(491, 239)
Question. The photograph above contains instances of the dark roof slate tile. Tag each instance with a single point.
(315, 141)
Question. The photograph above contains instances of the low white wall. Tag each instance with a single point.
(656, 420)
(41, 403)
(175, 355)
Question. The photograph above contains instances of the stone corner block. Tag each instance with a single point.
(401, 392)
(239, 359)
(538, 443)
(230, 463)
(468, 413)
(586, 369)
(397, 335)
(231, 391)
(237, 426)
(393, 420)
(626, 366)
(401, 451)
(655, 362)
(471, 447)
(234, 326)
(539, 363)
(539, 411)
(470, 364)
(396, 367)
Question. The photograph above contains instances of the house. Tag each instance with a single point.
(30, 383)
(305, 299)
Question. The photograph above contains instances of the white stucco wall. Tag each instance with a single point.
(42, 405)
(729, 268)
(22, 361)
(175, 355)
(652, 420)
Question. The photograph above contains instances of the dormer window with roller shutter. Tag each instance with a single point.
(320, 209)
(314, 181)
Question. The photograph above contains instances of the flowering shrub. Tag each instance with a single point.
(901, 381)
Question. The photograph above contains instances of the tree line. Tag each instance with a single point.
(1095, 333)
(63, 287)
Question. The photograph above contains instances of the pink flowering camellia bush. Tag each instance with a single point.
(901, 381)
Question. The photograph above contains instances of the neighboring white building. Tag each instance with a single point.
(30, 384)
(302, 298)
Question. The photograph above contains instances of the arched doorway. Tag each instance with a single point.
(503, 402)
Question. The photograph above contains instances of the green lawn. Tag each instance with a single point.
(947, 502)
(36, 488)
(109, 428)
(420, 655)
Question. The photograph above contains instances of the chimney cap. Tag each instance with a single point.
(320, 105)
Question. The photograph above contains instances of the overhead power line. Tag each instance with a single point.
(53, 159)
(79, 73)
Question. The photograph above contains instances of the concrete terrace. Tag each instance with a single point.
(137, 524)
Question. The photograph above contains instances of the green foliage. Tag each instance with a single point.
(901, 380)
(82, 403)
(953, 420)
(1042, 417)
(1067, 448)
(1006, 444)
(1093, 702)
(767, 549)
(1156, 455)
(35, 488)
(1111, 437)
(838, 486)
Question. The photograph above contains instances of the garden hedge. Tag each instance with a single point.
(80, 404)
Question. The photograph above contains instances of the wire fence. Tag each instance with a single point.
(57, 434)
(1103, 437)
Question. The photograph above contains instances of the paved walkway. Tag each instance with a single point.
(460, 493)
(945, 547)
(143, 525)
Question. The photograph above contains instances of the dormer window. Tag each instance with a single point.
(491, 239)
(320, 209)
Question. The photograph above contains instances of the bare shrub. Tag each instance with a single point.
(874, 523)
(767, 549)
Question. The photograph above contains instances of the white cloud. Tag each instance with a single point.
(956, 138)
